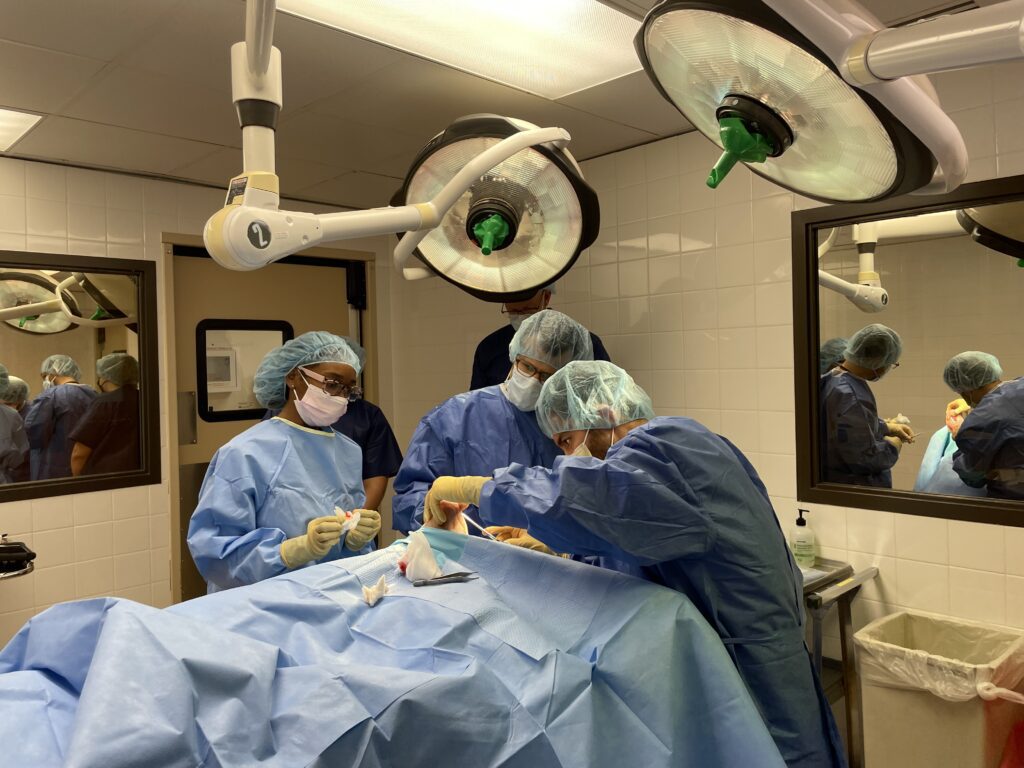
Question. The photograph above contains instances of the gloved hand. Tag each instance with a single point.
(365, 530)
(894, 441)
(454, 519)
(518, 537)
(958, 407)
(902, 431)
(322, 533)
(462, 490)
(956, 412)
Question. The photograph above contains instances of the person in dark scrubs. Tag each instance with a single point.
(368, 427)
(490, 362)
(106, 438)
(52, 416)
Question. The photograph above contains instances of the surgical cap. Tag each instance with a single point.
(971, 370)
(16, 391)
(552, 338)
(590, 395)
(360, 352)
(118, 368)
(874, 346)
(61, 365)
(3, 377)
(308, 349)
(832, 353)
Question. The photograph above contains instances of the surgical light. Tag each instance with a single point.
(818, 95)
(27, 303)
(519, 227)
(494, 205)
(549, 49)
(999, 227)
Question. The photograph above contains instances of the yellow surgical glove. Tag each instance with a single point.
(322, 533)
(461, 490)
(518, 537)
(365, 530)
(958, 407)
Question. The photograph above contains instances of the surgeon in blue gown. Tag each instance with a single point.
(989, 425)
(268, 502)
(52, 416)
(13, 443)
(480, 431)
(857, 447)
(686, 506)
(936, 474)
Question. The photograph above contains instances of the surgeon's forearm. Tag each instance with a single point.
(375, 488)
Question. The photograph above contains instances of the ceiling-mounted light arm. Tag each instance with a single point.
(865, 297)
(462, 181)
(979, 36)
(59, 304)
(259, 35)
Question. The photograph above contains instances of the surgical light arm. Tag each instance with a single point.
(250, 231)
(57, 304)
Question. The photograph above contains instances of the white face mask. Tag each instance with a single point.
(517, 319)
(47, 383)
(317, 408)
(581, 449)
(522, 391)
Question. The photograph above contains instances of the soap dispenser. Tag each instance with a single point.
(801, 541)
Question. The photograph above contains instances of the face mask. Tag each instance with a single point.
(47, 383)
(581, 449)
(517, 319)
(522, 391)
(318, 409)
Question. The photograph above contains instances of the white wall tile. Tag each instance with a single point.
(773, 261)
(741, 428)
(87, 222)
(661, 159)
(51, 513)
(964, 89)
(735, 188)
(1015, 601)
(665, 276)
(93, 541)
(739, 390)
(694, 193)
(632, 241)
(772, 217)
(977, 126)
(53, 548)
(977, 546)
(663, 235)
(160, 564)
(697, 270)
(92, 507)
(605, 249)
(663, 197)
(701, 389)
(131, 570)
(735, 265)
(883, 586)
(774, 345)
(700, 350)
(700, 310)
(1008, 119)
(775, 389)
(16, 518)
(710, 418)
(604, 316)
(604, 281)
(631, 204)
(775, 304)
(977, 595)
(54, 585)
(924, 586)
(17, 594)
(130, 502)
(46, 182)
(94, 578)
(696, 153)
(734, 224)
(635, 315)
(737, 348)
(777, 471)
(697, 231)
(871, 531)
(12, 177)
(159, 531)
(128, 193)
(668, 390)
(922, 538)
(600, 172)
(633, 278)
(778, 435)
(124, 227)
(666, 310)
(736, 307)
(86, 187)
(10, 241)
(1014, 550)
(12, 214)
(131, 535)
(46, 218)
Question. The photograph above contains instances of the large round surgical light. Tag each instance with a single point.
(18, 289)
(999, 227)
(518, 228)
(115, 295)
(752, 84)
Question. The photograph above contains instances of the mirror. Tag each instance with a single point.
(80, 403)
(228, 352)
(902, 309)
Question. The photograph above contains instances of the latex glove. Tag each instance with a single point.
(518, 537)
(365, 530)
(958, 407)
(894, 441)
(454, 519)
(956, 412)
(461, 490)
(901, 431)
(322, 533)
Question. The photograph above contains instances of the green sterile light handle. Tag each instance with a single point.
(99, 314)
(491, 233)
(1020, 263)
(740, 144)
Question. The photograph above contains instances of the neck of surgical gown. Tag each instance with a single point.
(991, 443)
(264, 487)
(49, 421)
(687, 506)
(853, 448)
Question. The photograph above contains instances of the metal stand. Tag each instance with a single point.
(819, 603)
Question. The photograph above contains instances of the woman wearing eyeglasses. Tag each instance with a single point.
(271, 498)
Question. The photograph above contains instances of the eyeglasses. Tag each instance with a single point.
(333, 387)
(528, 369)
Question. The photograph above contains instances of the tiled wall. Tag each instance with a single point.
(691, 291)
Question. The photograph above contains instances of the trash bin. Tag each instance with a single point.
(938, 691)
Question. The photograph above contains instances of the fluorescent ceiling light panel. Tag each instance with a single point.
(14, 125)
(551, 48)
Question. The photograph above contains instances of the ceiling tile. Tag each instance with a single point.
(148, 101)
(99, 29)
(77, 141)
(224, 164)
(40, 80)
(337, 141)
(354, 190)
(631, 100)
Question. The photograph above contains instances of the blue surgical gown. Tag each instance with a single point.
(13, 446)
(49, 421)
(936, 474)
(991, 443)
(853, 448)
(263, 487)
(491, 364)
(688, 507)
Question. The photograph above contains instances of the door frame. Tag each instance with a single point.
(364, 323)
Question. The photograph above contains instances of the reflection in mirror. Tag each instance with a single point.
(69, 381)
(920, 349)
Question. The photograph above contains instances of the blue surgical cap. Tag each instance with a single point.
(971, 370)
(590, 395)
(832, 353)
(16, 391)
(61, 365)
(308, 349)
(118, 368)
(874, 346)
(552, 338)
